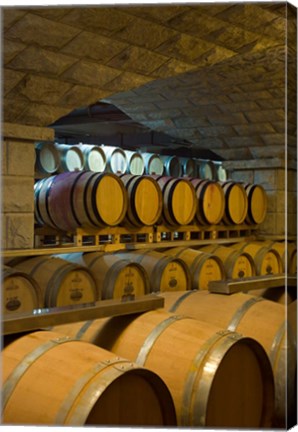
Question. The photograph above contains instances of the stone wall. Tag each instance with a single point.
(18, 160)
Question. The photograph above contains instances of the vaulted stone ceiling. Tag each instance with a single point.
(213, 74)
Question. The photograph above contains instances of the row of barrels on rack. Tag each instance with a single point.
(70, 200)
(53, 157)
(78, 278)
(204, 360)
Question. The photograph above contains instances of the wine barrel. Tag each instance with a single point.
(54, 380)
(284, 295)
(236, 203)
(206, 169)
(237, 264)
(267, 260)
(188, 166)
(221, 173)
(115, 278)
(116, 159)
(86, 199)
(144, 200)
(172, 166)
(153, 164)
(135, 163)
(205, 369)
(71, 158)
(47, 158)
(61, 282)
(179, 200)
(20, 292)
(94, 157)
(203, 267)
(165, 273)
(211, 201)
(288, 253)
(249, 316)
(257, 203)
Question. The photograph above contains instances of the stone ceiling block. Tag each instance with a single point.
(51, 13)
(126, 81)
(196, 23)
(13, 108)
(40, 114)
(10, 16)
(161, 14)
(172, 67)
(10, 49)
(81, 96)
(90, 73)
(46, 33)
(232, 37)
(11, 78)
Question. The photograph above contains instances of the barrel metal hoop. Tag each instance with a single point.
(132, 214)
(227, 192)
(195, 371)
(171, 217)
(85, 199)
(24, 365)
(275, 347)
(66, 405)
(178, 302)
(47, 194)
(239, 314)
(50, 295)
(72, 195)
(153, 336)
(36, 201)
(83, 329)
(201, 216)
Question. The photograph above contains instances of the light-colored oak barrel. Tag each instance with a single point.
(135, 163)
(94, 157)
(221, 173)
(211, 201)
(251, 316)
(172, 166)
(153, 164)
(179, 200)
(188, 166)
(116, 159)
(203, 267)
(70, 200)
(206, 169)
(61, 282)
(283, 295)
(53, 380)
(266, 259)
(257, 203)
(114, 277)
(237, 264)
(288, 253)
(236, 202)
(165, 273)
(216, 378)
(20, 292)
(71, 158)
(144, 200)
(47, 158)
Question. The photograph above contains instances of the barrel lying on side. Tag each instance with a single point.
(71, 158)
(211, 201)
(115, 277)
(61, 282)
(47, 158)
(205, 369)
(153, 164)
(70, 200)
(53, 380)
(287, 252)
(188, 166)
(236, 202)
(257, 203)
(94, 157)
(267, 260)
(116, 159)
(172, 166)
(20, 292)
(135, 163)
(203, 267)
(249, 316)
(165, 273)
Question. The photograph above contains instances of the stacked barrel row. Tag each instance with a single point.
(91, 200)
(52, 158)
(77, 278)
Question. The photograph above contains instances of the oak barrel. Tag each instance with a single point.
(221, 173)
(237, 264)
(47, 158)
(284, 295)
(236, 202)
(70, 200)
(20, 292)
(144, 200)
(114, 276)
(211, 201)
(53, 380)
(135, 162)
(153, 164)
(61, 282)
(257, 203)
(71, 158)
(205, 369)
(94, 157)
(288, 253)
(203, 267)
(206, 169)
(267, 260)
(116, 159)
(188, 166)
(165, 273)
(179, 200)
(172, 166)
(251, 316)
